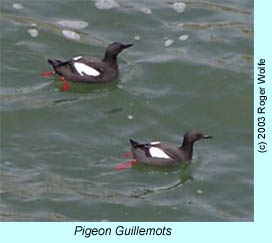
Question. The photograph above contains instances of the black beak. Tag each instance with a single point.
(124, 46)
(206, 136)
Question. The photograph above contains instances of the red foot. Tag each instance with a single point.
(62, 79)
(128, 154)
(47, 74)
(66, 85)
(126, 165)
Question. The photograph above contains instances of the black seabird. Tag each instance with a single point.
(166, 155)
(90, 70)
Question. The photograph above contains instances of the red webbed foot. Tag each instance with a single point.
(126, 165)
(66, 84)
(48, 74)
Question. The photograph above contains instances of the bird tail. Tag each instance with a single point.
(54, 63)
(133, 143)
(57, 63)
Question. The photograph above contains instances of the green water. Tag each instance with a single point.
(59, 149)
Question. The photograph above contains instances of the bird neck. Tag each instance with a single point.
(111, 60)
(187, 148)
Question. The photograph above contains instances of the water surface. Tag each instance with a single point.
(59, 149)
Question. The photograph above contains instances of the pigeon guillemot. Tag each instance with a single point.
(89, 69)
(163, 154)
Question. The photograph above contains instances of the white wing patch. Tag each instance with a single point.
(158, 153)
(154, 143)
(83, 69)
(77, 58)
